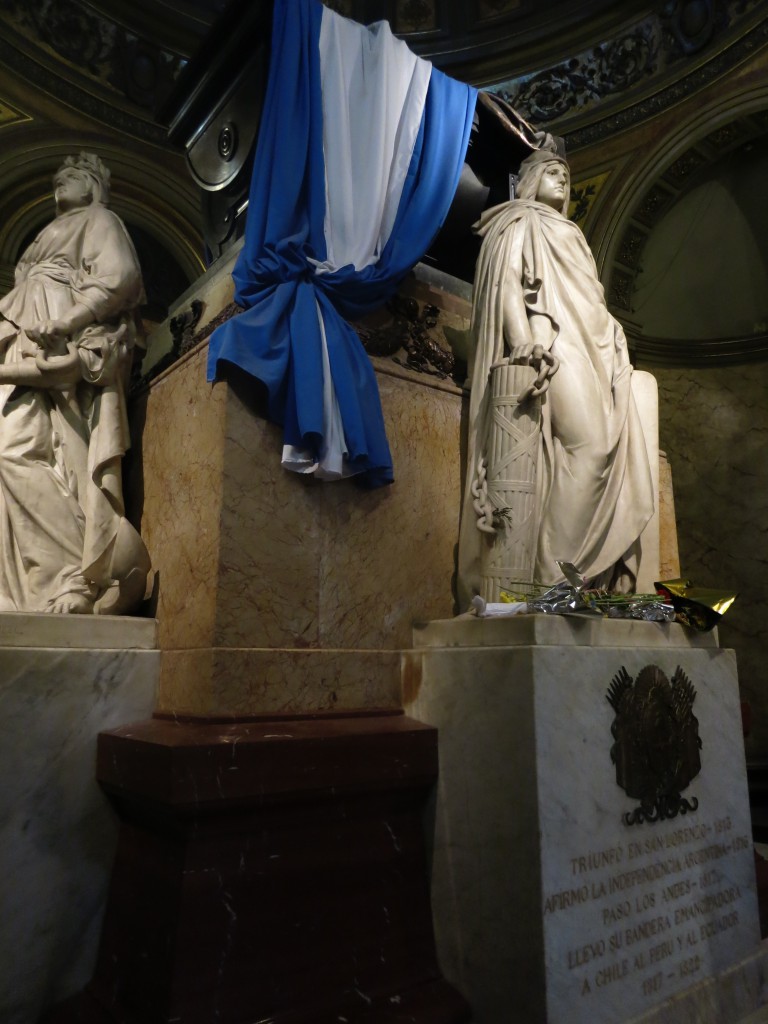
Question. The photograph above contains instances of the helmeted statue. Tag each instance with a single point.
(537, 291)
(67, 332)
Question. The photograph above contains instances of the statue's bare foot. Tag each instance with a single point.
(72, 604)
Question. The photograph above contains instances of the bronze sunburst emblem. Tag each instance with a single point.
(657, 743)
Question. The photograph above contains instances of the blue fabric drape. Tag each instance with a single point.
(277, 339)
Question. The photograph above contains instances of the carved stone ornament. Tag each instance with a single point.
(657, 743)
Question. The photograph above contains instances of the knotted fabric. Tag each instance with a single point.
(360, 149)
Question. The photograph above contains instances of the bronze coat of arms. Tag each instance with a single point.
(657, 743)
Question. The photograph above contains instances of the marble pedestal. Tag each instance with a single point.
(548, 907)
(268, 870)
(62, 680)
(276, 592)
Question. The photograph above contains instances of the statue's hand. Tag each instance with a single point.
(48, 332)
(44, 372)
(60, 371)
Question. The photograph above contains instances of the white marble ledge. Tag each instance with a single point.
(84, 632)
(560, 630)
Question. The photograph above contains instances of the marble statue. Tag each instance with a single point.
(67, 332)
(538, 301)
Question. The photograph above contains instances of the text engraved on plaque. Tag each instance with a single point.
(649, 909)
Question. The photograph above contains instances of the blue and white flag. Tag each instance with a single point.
(360, 149)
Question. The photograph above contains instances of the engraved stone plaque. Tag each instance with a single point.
(593, 857)
(642, 900)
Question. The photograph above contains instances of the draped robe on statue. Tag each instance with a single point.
(61, 505)
(594, 490)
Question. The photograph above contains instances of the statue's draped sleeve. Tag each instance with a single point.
(108, 279)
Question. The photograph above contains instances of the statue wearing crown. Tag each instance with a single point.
(538, 301)
(67, 333)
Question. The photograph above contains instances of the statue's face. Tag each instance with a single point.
(552, 186)
(71, 189)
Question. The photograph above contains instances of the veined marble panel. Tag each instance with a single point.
(258, 567)
(548, 906)
(174, 488)
(669, 554)
(57, 830)
(249, 681)
(95, 632)
(267, 580)
(388, 558)
(311, 564)
(258, 557)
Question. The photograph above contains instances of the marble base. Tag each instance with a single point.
(276, 591)
(269, 681)
(57, 831)
(547, 906)
(268, 870)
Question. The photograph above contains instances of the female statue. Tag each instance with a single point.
(536, 285)
(67, 331)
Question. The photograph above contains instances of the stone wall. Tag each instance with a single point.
(713, 427)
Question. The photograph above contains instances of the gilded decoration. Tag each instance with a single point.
(10, 115)
(583, 197)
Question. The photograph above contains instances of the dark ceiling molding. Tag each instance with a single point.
(574, 88)
(176, 27)
(471, 43)
(583, 89)
(721, 64)
(675, 353)
(78, 98)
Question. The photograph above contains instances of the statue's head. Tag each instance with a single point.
(545, 176)
(80, 181)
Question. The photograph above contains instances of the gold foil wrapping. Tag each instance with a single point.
(698, 607)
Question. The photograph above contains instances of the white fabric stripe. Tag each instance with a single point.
(330, 463)
(374, 89)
